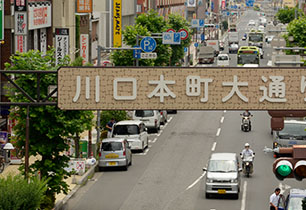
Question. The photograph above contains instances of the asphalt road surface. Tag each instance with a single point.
(169, 176)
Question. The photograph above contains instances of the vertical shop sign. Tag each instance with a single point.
(20, 43)
(21, 25)
(84, 44)
(84, 6)
(1, 19)
(61, 43)
(20, 5)
(43, 41)
(117, 24)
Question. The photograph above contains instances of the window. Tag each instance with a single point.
(126, 130)
(222, 166)
(144, 113)
(111, 146)
(293, 130)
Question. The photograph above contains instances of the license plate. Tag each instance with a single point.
(111, 156)
(112, 163)
(221, 191)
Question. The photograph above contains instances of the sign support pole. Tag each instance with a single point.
(26, 164)
(137, 44)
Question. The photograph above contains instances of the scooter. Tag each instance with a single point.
(247, 164)
(246, 123)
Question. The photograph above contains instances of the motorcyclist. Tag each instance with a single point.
(246, 152)
(248, 114)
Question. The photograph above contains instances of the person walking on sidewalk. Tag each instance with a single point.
(281, 202)
(109, 127)
(274, 198)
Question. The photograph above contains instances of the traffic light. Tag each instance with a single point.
(291, 167)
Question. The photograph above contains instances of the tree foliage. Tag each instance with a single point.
(287, 15)
(50, 127)
(297, 29)
(118, 115)
(145, 25)
(18, 193)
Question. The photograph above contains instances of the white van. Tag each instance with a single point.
(223, 60)
(151, 118)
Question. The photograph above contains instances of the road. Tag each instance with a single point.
(169, 176)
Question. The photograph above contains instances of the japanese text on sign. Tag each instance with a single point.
(117, 11)
(84, 6)
(182, 88)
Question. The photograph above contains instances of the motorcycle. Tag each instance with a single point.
(247, 164)
(246, 123)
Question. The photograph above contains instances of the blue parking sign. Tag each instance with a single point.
(136, 52)
(201, 22)
(148, 44)
(177, 38)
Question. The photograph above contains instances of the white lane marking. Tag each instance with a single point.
(244, 195)
(214, 146)
(165, 125)
(150, 141)
(170, 119)
(224, 111)
(154, 140)
(196, 181)
(218, 132)
(144, 153)
(149, 146)
(222, 119)
(159, 133)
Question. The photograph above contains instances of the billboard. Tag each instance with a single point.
(91, 88)
(117, 23)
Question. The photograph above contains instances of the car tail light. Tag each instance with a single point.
(124, 153)
(100, 154)
(155, 122)
(161, 113)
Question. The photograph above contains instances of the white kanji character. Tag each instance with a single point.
(134, 88)
(193, 87)
(235, 84)
(276, 88)
(303, 86)
(87, 89)
(162, 88)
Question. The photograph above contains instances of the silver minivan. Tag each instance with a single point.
(115, 152)
(223, 175)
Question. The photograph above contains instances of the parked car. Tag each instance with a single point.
(295, 199)
(134, 131)
(151, 118)
(223, 60)
(223, 175)
(164, 116)
(233, 48)
(269, 39)
(293, 133)
(115, 152)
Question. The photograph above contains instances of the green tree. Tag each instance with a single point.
(50, 127)
(118, 115)
(297, 29)
(287, 15)
(18, 193)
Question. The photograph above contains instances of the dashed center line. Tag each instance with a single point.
(243, 200)
(218, 132)
(214, 146)
(154, 140)
(222, 119)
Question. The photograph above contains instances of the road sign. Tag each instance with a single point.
(185, 49)
(171, 30)
(201, 22)
(202, 37)
(171, 38)
(227, 13)
(212, 6)
(184, 34)
(148, 55)
(196, 23)
(196, 44)
(148, 44)
(136, 52)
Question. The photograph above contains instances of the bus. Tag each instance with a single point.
(256, 38)
(248, 55)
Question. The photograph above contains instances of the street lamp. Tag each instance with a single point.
(8, 146)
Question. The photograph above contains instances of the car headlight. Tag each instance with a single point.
(234, 181)
(209, 180)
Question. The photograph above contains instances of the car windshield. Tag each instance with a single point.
(144, 113)
(111, 146)
(222, 166)
(293, 130)
(255, 37)
(222, 58)
(248, 59)
(126, 130)
(295, 203)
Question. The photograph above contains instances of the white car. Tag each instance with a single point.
(269, 39)
(134, 131)
(252, 23)
(151, 118)
(233, 48)
(223, 60)
(261, 28)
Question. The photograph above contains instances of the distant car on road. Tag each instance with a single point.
(269, 39)
(233, 48)
(295, 199)
(252, 23)
(223, 60)
(115, 152)
(151, 118)
(223, 175)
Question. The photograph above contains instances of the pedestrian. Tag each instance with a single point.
(281, 202)
(109, 127)
(274, 198)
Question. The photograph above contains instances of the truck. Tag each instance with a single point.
(206, 54)
(256, 38)
(214, 44)
(233, 38)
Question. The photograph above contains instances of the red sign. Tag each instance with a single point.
(223, 5)
(184, 34)
(171, 30)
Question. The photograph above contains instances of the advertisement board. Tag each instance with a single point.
(21, 26)
(1, 19)
(84, 6)
(61, 43)
(117, 23)
(84, 47)
(20, 43)
(40, 16)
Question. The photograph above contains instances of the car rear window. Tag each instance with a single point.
(126, 130)
(222, 58)
(144, 113)
(111, 146)
(293, 130)
(222, 166)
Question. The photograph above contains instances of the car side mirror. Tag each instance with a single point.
(240, 169)
(240, 153)
(253, 153)
(146, 129)
(204, 169)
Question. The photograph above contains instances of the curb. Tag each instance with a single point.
(62, 204)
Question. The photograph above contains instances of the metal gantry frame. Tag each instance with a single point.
(39, 101)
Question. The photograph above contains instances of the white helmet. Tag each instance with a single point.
(246, 145)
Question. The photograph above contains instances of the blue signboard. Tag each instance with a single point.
(148, 44)
(185, 49)
(206, 13)
(212, 6)
(202, 37)
(227, 13)
(196, 44)
(201, 22)
(136, 52)
(177, 38)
